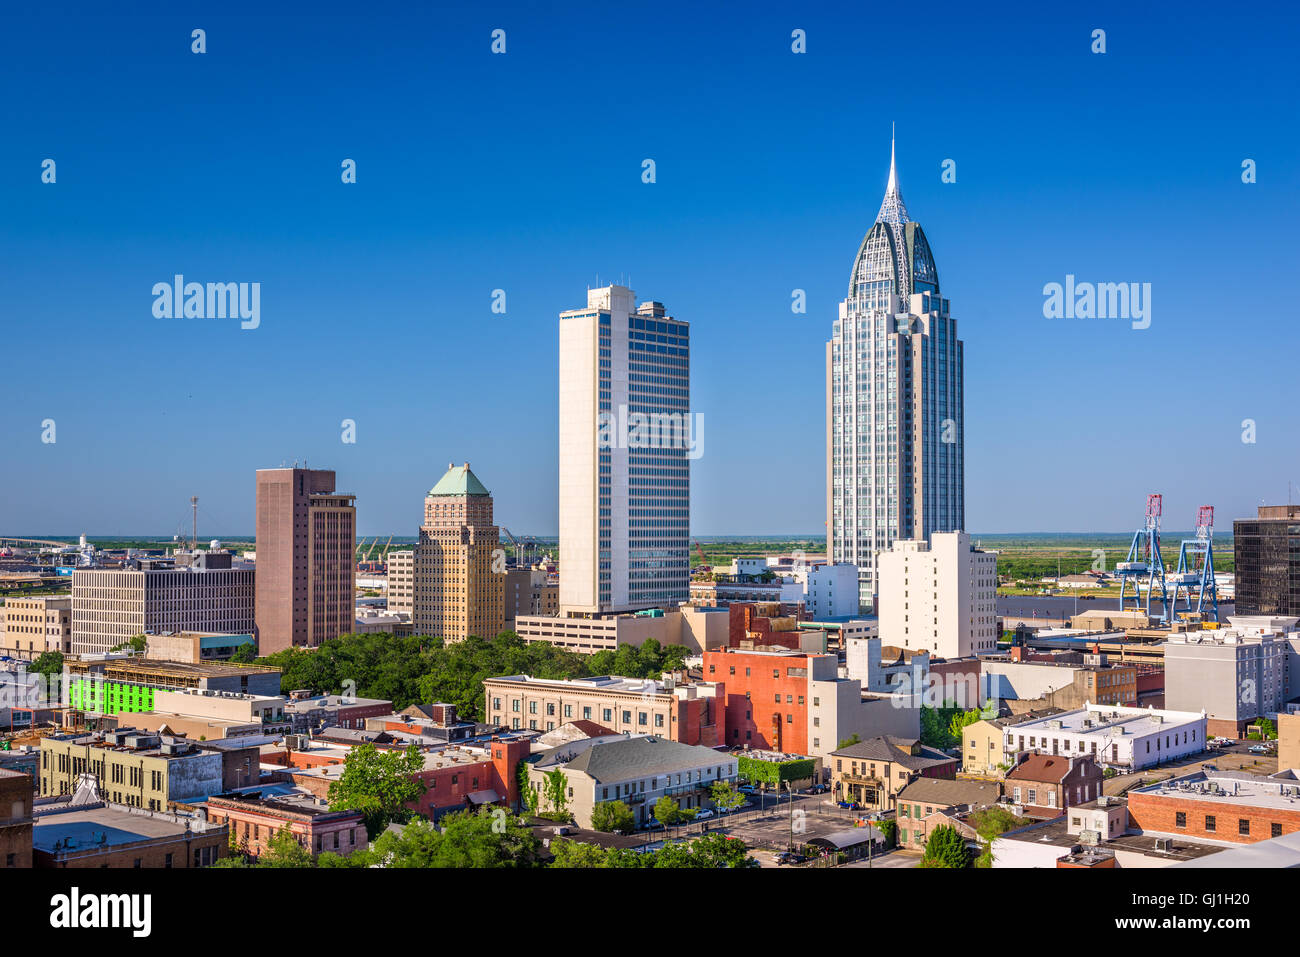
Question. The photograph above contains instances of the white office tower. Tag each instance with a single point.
(626, 439)
(894, 429)
(940, 597)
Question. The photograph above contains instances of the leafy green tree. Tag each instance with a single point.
(725, 796)
(945, 848)
(989, 824)
(888, 829)
(1267, 728)
(613, 816)
(245, 654)
(488, 838)
(284, 850)
(568, 853)
(135, 644)
(555, 786)
(666, 811)
(851, 740)
(379, 784)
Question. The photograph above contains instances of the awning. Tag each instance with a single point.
(484, 797)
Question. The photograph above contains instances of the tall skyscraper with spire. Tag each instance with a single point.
(894, 426)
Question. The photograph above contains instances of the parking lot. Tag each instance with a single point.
(1235, 757)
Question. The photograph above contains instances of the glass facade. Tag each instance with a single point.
(894, 399)
(1267, 566)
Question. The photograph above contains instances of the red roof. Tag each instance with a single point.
(1041, 767)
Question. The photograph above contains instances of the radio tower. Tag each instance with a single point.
(1145, 562)
(1196, 568)
(194, 532)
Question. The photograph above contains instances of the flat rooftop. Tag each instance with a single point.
(151, 666)
(1056, 833)
(105, 826)
(1108, 719)
(597, 683)
(1231, 788)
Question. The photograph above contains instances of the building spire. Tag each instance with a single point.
(893, 210)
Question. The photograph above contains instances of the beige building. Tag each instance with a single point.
(401, 583)
(691, 713)
(699, 629)
(36, 625)
(872, 773)
(528, 593)
(202, 715)
(1288, 741)
(139, 769)
(939, 597)
(637, 771)
(111, 606)
(459, 577)
(929, 802)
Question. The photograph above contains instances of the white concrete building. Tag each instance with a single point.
(626, 438)
(939, 597)
(1127, 739)
(831, 591)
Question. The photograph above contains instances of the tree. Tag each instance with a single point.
(135, 644)
(989, 824)
(1267, 728)
(555, 787)
(725, 796)
(945, 848)
(613, 816)
(379, 784)
(576, 854)
(851, 740)
(488, 838)
(284, 850)
(245, 654)
(666, 811)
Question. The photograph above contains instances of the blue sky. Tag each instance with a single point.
(523, 172)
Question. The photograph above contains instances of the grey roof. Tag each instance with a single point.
(628, 757)
(842, 839)
(897, 750)
(943, 793)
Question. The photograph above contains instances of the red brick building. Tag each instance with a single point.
(1219, 805)
(1046, 784)
(768, 697)
(254, 820)
(15, 819)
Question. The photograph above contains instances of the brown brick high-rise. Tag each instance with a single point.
(306, 570)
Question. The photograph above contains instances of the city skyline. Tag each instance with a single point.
(409, 259)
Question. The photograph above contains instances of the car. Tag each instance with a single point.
(703, 813)
(789, 857)
(1226, 742)
(653, 825)
(747, 789)
(1259, 749)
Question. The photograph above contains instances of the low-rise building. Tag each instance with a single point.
(1046, 785)
(35, 625)
(871, 773)
(211, 715)
(636, 770)
(142, 769)
(255, 816)
(84, 830)
(692, 713)
(1056, 684)
(195, 647)
(1116, 737)
(697, 628)
(983, 745)
(1232, 806)
(111, 684)
(927, 803)
(15, 819)
(309, 712)
(1250, 669)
